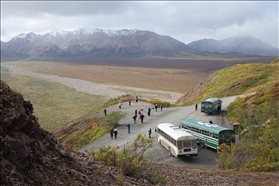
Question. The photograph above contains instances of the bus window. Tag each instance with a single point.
(210, 134)
(186, 144)
(194, 143)
(179, 144)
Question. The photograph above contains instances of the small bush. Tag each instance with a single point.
(131, 160)
(112, 119)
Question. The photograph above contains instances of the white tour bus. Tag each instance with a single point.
(177, 141)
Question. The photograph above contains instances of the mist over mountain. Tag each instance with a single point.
(87, 42)
(242, 45)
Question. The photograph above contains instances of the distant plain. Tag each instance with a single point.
(174, 75)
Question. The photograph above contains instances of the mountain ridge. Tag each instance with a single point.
(98, 43)
(242, 45)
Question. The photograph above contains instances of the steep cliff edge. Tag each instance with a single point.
(31, 155)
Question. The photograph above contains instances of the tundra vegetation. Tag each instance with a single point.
(130, 160)
(258, 114)
(55, 104)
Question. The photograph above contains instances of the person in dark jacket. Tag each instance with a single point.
(129, 127)
(115, 133)
(141, 118)
(111, 133)
(135, 118)
(148, 111)
(149, 132)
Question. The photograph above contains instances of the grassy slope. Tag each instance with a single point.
(54, 104)
(241, 79)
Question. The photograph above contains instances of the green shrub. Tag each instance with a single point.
(78, 140)
(112, 119)
(131, 160)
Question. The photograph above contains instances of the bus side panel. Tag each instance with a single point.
(165, 144)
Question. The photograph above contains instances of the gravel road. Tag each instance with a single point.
(206, 157)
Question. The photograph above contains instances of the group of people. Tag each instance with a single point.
(113, 133)
(141, 116)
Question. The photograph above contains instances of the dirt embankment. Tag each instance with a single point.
(194, 93)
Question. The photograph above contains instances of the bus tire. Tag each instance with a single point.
(202, 144)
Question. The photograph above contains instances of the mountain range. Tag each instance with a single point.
(242, 45)
(89, 42)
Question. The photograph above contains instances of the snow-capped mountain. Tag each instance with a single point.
(94, 42)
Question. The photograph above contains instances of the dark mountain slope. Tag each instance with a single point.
(244, 45)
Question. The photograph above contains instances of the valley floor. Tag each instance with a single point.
(110, 91)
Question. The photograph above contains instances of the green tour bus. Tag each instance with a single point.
(211, 106)
(209, 135)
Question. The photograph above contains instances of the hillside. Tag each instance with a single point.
(243, 45)
(244, 78)
(31, 156)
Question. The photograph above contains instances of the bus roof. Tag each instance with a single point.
(174, 131)
(211, 100)
(214, 128)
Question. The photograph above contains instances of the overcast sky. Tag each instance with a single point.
(185, 21)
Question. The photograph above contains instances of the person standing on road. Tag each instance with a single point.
(111, 133)
(137, 99)
(105, 111)
(115, 133)
(161, 107)
(139, 112)
(149, 132)
(130, 102)
(119, 105)
(156, 107)
(134, 118)
(148, 111)
(196, 106)
(136, 112)
(128, 126)
(141, 118)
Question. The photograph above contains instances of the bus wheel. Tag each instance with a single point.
(170, 154)
(202, 144)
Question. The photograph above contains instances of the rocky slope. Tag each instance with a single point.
(32, 156)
